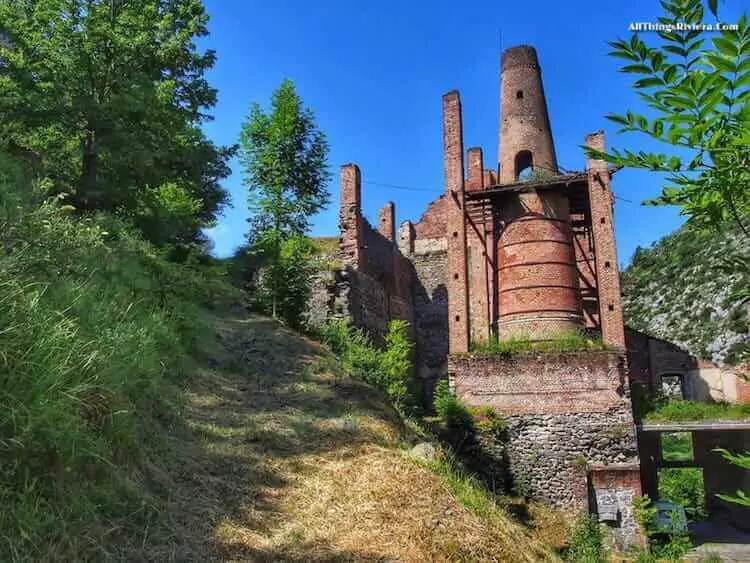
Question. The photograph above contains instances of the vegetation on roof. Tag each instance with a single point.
(569, 341)
(680, 410)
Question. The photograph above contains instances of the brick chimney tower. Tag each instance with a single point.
(525, 133)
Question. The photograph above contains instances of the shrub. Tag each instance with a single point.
(390, 368)
(684, 486)
(452, 410)
(396, 361)
(670, 546)
(586, 541)
(282, 288)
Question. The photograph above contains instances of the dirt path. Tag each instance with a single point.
(297, 462)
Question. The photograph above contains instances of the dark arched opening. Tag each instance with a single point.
(519, 95)
(524, 165)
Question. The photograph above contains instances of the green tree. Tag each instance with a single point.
(106, 98)
(284, 159)
(697, 88)
(293, 265)
(740, 460)
(698, 93)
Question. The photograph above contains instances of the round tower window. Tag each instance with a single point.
(519, 95)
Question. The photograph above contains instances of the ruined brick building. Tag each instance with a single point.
(524, 251)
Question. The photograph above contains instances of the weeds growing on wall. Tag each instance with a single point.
(568, 341)
(682, 410)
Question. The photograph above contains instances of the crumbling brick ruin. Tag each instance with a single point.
(524, 251)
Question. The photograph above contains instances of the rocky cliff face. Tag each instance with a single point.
(680, 290)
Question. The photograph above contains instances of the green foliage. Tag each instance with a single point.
(682, 410)
(282, 285)
(677, 446)
(521, 484)
(467, 489)
(740, 460)
(670, 546)
(389, 368)
(284, 161)
(537, 175)
(684, 486)
(642, 400)
(697, 92)
(569, 341)
(451, 409)
(167, 215)
(487, 419)
(106, 99)
(396, 361)
(97, 333)
(586, 541)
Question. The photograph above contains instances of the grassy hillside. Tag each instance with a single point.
(95, 347)
(145, 418)
(295, 461)
(677, 290)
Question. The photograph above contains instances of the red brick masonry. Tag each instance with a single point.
(538, 383)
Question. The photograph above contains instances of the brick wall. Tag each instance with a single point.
(614, 488)
(538, 383)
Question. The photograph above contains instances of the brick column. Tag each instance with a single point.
(387, 220)
(476, 240)
(453, 161)
(605, 251)
(350, 216)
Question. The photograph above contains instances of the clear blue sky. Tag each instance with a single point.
(374, 73)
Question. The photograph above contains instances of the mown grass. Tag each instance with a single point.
(94, 347)
(568, 341)
(303, 462)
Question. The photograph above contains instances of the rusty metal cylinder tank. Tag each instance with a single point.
(538, 293)
(525, 132)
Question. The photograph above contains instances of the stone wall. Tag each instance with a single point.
(565, 413)
(430, 316)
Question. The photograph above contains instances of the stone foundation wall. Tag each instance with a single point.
(547, 455)
(564, 413)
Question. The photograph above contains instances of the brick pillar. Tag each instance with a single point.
(605, 251)
(387, 221)
(489, 177)
(350, 216)
(453, 161)
(406, 238)
(476, 240)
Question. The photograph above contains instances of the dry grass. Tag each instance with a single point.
(296, 462)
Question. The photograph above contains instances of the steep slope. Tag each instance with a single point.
(298, 462)
(679, 291)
